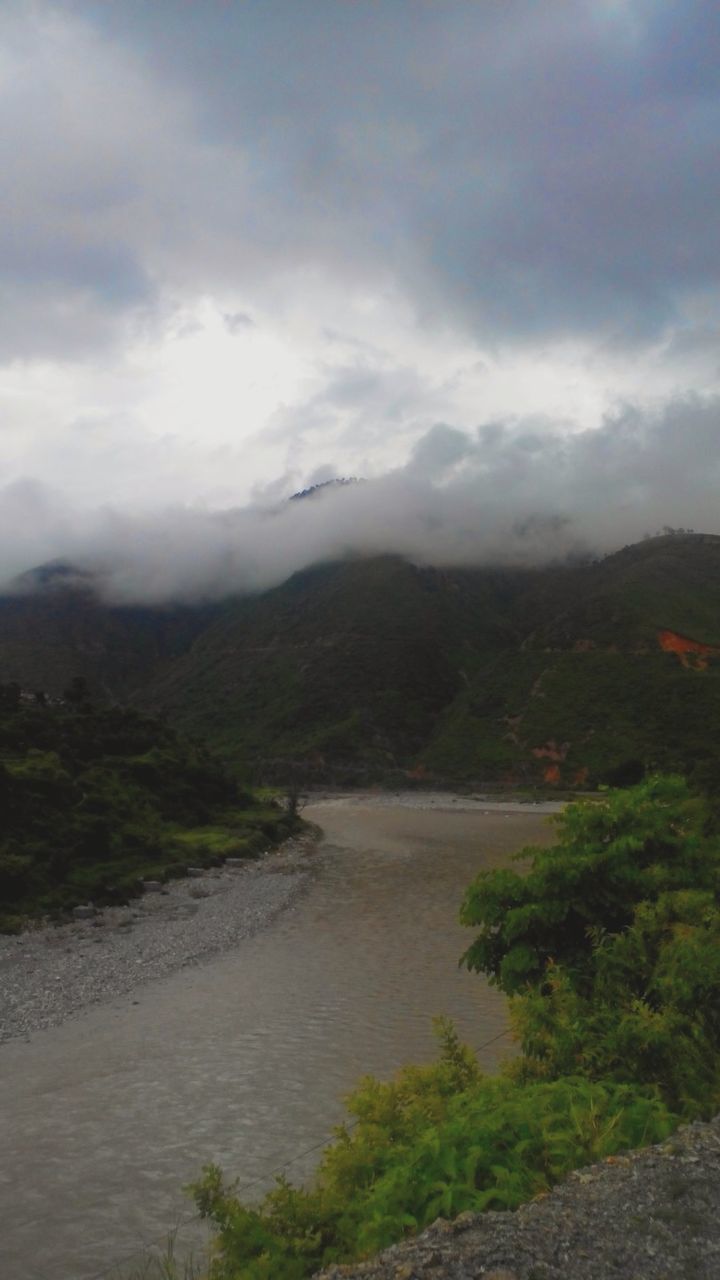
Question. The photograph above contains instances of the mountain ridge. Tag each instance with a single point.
(377, 669)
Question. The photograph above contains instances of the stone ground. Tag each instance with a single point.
(51, 973)
(648, 1215)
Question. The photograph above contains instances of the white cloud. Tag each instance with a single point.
(505, 494)
(246, 245)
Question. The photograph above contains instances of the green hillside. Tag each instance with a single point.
(94, 798)
(624, 600)
(51, 635)
(378, 670)
(345, 668)
(579, 718)
(362, 671)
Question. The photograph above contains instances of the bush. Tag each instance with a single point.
(609, 948)
(650, 1011)
(436, 1141)
(612, 855)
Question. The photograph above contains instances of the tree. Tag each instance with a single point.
(612, 854)
(648, 1008)
(610, 946)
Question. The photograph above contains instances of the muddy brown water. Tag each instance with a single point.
(244, 1060)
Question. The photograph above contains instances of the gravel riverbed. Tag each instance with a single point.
(51, 973)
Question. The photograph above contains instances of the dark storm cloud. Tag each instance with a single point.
(507, 493)
(521, 169)
(539, 167)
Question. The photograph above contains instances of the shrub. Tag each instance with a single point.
(612, 855)
(436, 1141)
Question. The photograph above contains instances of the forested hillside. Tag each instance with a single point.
(93, 798)
(379, 670)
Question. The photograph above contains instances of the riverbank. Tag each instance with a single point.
(244, 1058)
(649, 1214)
(445, 801)
(51, 973)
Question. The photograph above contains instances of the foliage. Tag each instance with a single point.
(613, 854)
(435, 1141)
(94, 798)
(649, 1009)
(609, 947)
(356, 670)
(365, 670)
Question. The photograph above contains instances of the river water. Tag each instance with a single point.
(244, 1060)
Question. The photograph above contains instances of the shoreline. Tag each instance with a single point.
(448, 801)
(55, 972)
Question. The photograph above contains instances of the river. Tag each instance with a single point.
(244, 1059)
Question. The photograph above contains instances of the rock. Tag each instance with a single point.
(650, 1214)
(235, 862)
(151, 886)
(84, 913)
(464, 1220)
(196, 872)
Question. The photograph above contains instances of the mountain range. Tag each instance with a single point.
(379, 670)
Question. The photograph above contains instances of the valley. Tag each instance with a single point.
(437, 716)
(245, 1058)
(378, 671)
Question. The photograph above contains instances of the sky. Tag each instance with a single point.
(467, 250)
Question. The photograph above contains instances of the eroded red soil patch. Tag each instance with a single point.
(692, 653)
(552, 774)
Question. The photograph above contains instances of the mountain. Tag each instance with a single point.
(345, 667)
(377, 669)
(55, 627)
(618, 672)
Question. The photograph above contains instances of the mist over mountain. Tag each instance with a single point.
(373, 669)
(515, 493)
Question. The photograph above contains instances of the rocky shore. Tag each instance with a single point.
(647, 1215)
(51, 973)
(447, 801)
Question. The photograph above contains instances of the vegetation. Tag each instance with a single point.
(610, 945)
(582, 718)
(377, 670)
(633, 848)
(607, 944)
(609, 950)
(94, 798)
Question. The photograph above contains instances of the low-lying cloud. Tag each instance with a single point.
(509, 493)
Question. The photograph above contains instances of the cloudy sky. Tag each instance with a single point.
(466, 250)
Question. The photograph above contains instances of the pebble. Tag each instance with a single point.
(49, 974)
(652, 1214)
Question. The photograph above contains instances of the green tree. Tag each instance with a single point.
(611, 855)
(610, 946)
(648, 1008)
